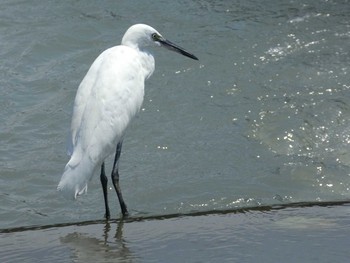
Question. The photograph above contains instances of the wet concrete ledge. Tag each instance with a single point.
(129, 219)
(298, 232)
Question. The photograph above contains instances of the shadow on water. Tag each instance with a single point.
(130, 219)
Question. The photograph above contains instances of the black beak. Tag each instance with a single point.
(171, 46)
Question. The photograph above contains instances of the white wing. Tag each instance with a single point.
(81, 98)
(109, 96)
(107, 99)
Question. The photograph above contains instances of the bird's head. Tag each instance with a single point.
(141, 35)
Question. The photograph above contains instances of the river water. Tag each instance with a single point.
(263, 118)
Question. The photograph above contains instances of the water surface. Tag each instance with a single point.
(261, 119)
(292, 234)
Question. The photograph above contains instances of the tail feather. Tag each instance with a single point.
(75, 179)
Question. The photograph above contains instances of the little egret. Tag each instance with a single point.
(107, 99)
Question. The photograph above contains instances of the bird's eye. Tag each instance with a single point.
(155, 36)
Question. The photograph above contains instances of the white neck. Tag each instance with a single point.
(147, 61)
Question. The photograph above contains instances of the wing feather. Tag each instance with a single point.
(107, 99)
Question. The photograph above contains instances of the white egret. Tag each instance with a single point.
(107, 99)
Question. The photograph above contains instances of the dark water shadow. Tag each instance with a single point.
(130, 219)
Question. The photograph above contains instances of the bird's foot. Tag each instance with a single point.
(107, 216)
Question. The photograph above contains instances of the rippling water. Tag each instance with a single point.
(263, 118)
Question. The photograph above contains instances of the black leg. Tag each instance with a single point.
(115, 179)
(104, 181)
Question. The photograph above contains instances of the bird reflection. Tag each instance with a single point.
(88, 247)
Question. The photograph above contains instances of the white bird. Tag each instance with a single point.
(107, 99)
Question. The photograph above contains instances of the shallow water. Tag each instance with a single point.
(293, 234)
(262, 118)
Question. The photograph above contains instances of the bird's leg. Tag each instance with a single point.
(115, 179)
(104, 181)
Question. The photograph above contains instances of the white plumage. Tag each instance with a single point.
(107, 99)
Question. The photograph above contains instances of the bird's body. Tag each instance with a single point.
(107, 99)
